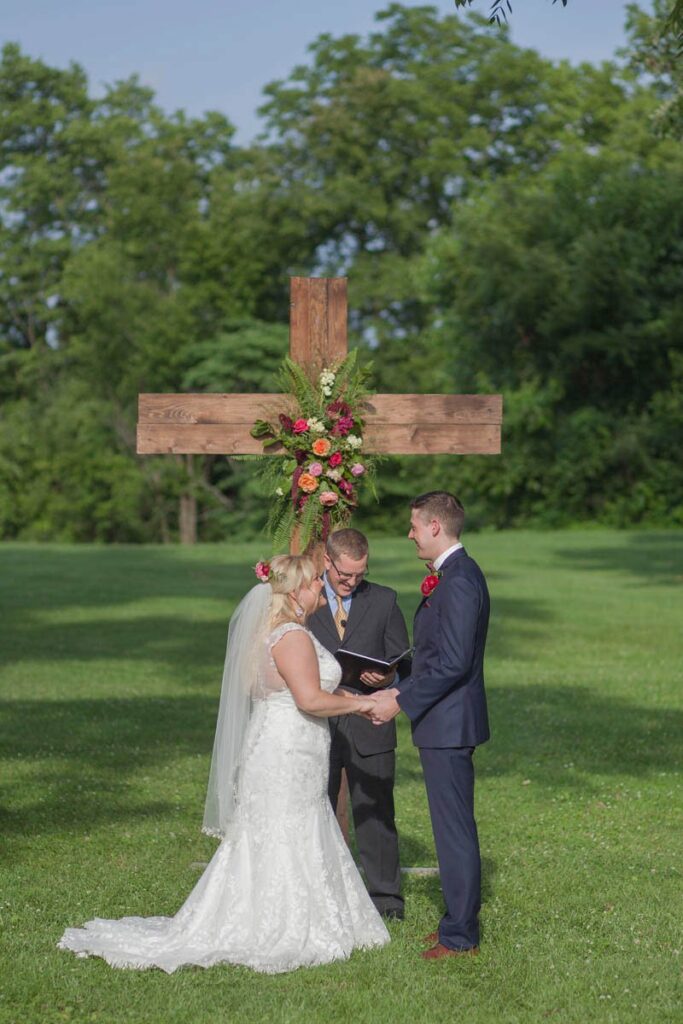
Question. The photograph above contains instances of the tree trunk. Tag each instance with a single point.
(187, 516)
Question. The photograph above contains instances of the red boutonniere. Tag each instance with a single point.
(430, 582)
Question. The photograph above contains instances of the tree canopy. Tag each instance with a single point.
(507, 223)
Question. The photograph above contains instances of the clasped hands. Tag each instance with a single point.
(377, 707)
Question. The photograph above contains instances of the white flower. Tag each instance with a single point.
(353, 441)
(333, 474)
(279, 492)
(316, 425)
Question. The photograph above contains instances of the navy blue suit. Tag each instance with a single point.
(444, 699)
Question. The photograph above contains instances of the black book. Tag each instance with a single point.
(353, 664)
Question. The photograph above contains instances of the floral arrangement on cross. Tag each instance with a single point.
(314, 488)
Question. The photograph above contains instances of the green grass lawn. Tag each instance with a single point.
(111, 663)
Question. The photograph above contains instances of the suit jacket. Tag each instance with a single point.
(375, 627)
(444, 696)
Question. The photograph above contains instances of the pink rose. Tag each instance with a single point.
(300, 426)
(328, 498)
(335, 459)
(315, 469)
(358, 469)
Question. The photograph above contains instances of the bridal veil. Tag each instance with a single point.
(248, 626)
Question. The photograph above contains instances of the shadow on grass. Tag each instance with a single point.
(81, 755)
(78, 757)
(564, 734)
(189, 650)
(655, 558)
(88, 576)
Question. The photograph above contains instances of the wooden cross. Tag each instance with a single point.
(206, 424)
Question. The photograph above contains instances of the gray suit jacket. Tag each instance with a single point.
(375, 627)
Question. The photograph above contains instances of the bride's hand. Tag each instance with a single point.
(366, 706)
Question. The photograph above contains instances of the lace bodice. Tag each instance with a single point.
(269, 681)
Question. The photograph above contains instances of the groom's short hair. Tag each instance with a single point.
(443, 506)
(347, 542)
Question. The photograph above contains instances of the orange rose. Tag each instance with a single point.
(308, 483)
(321, 446)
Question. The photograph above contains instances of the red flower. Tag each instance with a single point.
(300, 427)
(286, 422)
(342, 427)
(345, 487)
(301, 456)
(428, 584)
(338, 408)
(335, 460)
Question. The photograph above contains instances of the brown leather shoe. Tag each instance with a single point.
(438, 951)
(431, 938)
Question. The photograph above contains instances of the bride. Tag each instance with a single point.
(282, 890)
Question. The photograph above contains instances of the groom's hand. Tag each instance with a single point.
(386, 707)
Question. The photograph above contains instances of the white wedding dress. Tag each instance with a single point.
(282, 890)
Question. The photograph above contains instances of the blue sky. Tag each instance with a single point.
(218, 54)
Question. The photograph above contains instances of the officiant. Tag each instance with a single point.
(365, 618)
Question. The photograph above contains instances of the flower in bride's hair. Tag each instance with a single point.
(308, 483)
(263, 571)
(328, 498)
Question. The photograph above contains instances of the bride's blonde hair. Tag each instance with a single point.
(289, 573)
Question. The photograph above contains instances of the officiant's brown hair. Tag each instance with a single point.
(347, 542)
(443, 506)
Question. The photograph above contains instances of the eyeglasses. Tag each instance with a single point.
(346, 577)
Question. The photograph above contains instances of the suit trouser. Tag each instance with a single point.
(371, 788)
(449, 778)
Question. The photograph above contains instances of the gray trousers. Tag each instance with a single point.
(371, 788)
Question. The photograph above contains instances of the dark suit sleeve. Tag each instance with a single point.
(451, 650)
(396, 638)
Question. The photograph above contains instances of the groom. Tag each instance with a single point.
(445, 701)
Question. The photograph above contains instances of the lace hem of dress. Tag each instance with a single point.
(256, 964)
(215, 833)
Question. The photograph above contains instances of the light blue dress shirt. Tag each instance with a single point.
(332, 599)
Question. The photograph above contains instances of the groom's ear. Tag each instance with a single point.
(326, 561)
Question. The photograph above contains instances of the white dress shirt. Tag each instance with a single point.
(438, 562)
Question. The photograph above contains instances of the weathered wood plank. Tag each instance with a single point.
(188, 438)
(433, 439)
(384, 409)
(426, 438)
(317, 325)
(446, 409)
(337, 346)
(211, 408)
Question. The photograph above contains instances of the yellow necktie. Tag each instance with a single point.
(340, 618)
